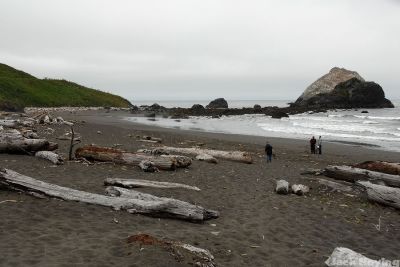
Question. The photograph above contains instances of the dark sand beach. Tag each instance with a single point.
(256, 227)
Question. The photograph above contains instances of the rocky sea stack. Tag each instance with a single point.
(341, 88)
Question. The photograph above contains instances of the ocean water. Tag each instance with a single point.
(231, 103)
(379, 128)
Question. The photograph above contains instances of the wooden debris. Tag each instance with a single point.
(380, 166)
(9, 123)
(148, 166)
(188, 254)
(335, 186)
(384, 195)
(12, 141)
(140, 203)
(135, 183)
(121, 157)
(50, 156)
(239, 156)
(165, 206)
(300, 189)
(206, 158)
(353, 175)
(315, 172)
(282, 187)
(150, 138)
(344, 257)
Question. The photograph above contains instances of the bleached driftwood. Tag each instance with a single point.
(335, 186)
(165, 205)
(50, 156)
(134, 183)
(9, 123)
(12, 141)
(344, 257)
(206, 158)
(282, 187)
(122, 157)
(380, 166)
(388, 196)
(148, 166)
(239, 156)
(351, 174)
(300, 189)
(184, 253)
(181, 161)
(141, 203)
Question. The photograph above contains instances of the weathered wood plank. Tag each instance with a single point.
(385, 195)
(137, 183)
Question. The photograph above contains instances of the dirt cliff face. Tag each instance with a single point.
(341, 88)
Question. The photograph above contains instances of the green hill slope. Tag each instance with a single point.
(19, 89)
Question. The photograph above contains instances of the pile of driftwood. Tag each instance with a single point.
(18, 136)
(378, 180)
(282, 188)
(117, 198)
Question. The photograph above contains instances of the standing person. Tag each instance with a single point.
(268, 152)
(313, 141)
(319, 144)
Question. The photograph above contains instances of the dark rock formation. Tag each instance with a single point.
(257, 107)
(277, 113)
(341, 88)
(218, 103)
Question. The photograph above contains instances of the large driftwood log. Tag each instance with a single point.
(9, 123)
(380, 166)
(135, 183)
(385, 195)
(122, 157)
(12, 141)
(141, 203)
(344, 257)
(179, 208)
(353, 175)
(50, 156)
(239, 156)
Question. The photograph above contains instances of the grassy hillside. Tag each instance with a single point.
(19, 89)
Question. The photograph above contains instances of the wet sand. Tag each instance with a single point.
(256, 226)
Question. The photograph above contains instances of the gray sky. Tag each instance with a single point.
(187, 49)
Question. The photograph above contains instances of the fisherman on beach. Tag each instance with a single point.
(268, 152)
(313, 142)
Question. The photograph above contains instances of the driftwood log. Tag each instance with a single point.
(135, 183)
(165, 206)
(122, 157)
(385, 195)
(184, 253)
(140, 203)
(239, 156)
(300, 189)
(9, 123)
(380, 166)
(50, 156)
(351, 174)
(282, 187)
(344, 257)
(12, 141)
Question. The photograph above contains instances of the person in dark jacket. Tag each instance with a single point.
(313, 141)
(268, 152)
(319, 145)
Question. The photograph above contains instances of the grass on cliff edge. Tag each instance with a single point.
(19, 89)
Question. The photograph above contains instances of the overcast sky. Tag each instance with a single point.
(203, 49)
